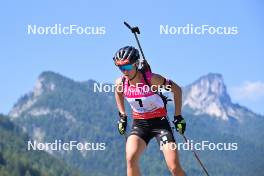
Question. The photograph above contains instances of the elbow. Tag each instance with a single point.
(177, 89)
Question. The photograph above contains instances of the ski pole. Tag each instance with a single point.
(196, 156)
(135, 31)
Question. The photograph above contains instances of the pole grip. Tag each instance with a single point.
(133, 29)
(127, 25)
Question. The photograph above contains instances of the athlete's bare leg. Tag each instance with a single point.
(134, 148)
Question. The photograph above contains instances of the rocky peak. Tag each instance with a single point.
(208, 95)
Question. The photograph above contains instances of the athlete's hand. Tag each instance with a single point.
(122, 123)
(179, 123)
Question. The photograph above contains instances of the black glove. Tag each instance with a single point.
(122, 123)
(179, 123)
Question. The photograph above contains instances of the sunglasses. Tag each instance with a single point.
(127, 67)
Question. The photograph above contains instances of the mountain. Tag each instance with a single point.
(16, 159)
(59, 108)
(208, 95)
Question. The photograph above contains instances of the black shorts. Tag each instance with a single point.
(159, 128)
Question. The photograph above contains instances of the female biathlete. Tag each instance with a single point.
(148, 111)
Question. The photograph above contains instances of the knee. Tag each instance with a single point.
(131, 159)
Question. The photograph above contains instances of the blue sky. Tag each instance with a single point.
(183, 58)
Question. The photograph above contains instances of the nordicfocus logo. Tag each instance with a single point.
(138, 88)
(190, 29)
(59, 29)
(203, 145)
(58, 145)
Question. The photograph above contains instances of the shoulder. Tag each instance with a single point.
(157, 79)
(156, 76)
(151, 76)
(118, 81)
(119, 85)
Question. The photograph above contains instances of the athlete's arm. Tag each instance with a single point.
(119, 95)
(158, 80)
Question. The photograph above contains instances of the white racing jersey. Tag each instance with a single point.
(145, 104)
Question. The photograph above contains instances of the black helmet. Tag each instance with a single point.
(126, 55)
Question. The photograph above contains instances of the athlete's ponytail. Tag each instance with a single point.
(145, 67)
